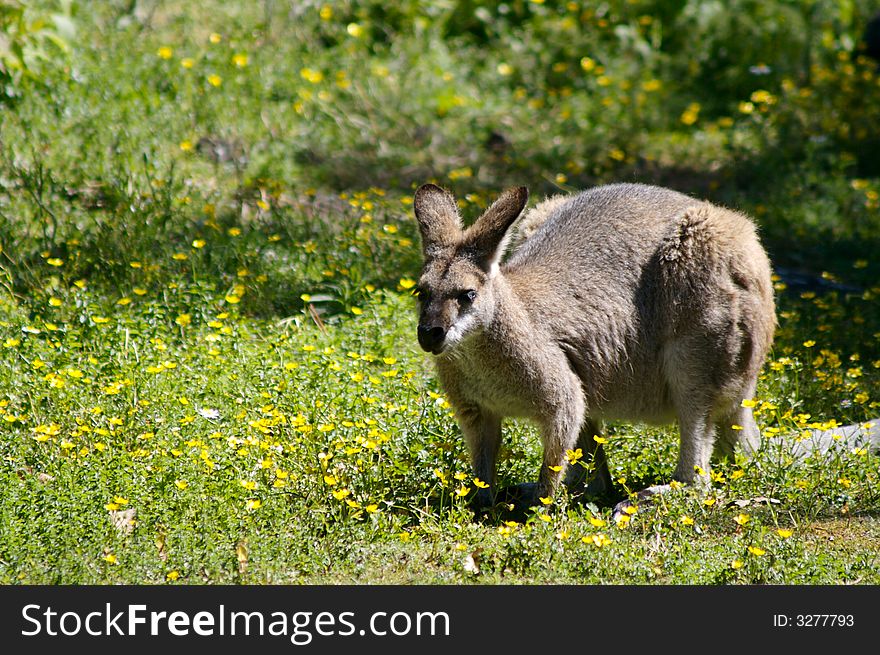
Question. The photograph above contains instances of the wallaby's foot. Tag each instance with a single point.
(522, 496)
(483, 500)
(624, 507)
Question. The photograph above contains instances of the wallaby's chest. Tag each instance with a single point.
(484, 376)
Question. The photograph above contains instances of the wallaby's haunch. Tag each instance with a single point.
(626, 301)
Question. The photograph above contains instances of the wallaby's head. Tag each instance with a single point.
(455, 289)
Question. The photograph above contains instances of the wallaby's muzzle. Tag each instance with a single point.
(431, 338)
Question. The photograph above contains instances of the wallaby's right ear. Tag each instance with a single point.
(438, 217)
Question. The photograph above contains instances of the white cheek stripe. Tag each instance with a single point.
(458, 330)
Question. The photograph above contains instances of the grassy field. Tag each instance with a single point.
(208, 364)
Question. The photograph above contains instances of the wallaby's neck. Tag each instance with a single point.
(510, 319)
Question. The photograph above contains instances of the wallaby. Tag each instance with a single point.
(626, 301)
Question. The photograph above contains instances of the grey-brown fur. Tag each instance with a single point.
(626, 301)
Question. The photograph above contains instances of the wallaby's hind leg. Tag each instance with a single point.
(482, 433)
(696, 440)
(590, 475)
(746, 433)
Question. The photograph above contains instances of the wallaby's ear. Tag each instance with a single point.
(437, 214)
(489, 233)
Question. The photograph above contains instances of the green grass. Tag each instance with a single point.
(208, 370)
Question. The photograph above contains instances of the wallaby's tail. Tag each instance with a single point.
(846, 438)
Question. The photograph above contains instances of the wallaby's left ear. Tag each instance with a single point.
(488, 235)
(438, 218)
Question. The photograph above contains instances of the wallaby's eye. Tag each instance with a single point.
(421, 294)
(467, 297)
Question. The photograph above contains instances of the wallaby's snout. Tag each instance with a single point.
(431, 338)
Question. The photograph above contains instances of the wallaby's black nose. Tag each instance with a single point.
(431, 337)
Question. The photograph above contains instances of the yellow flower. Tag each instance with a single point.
(181, 484)
(198, 243)
(110, 558)
(588, 64)
(54, 261)
(406, 283)
(736, 564)
(215, 80)
(462, 491)
(165, 52)
(597, 522)
(762, 97)
(183, 320)
(690, 115)
(785, 534)
(749, 403)
(546, 500)
(372, 508)
(172, 576)
(756, 551)
(240, 60)
(215, 38)
(479, 483)
(598, 540)
(687, 520)
(741, 519)
(310, 75)
(326, 12)
(354, 30)
(187, 62)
